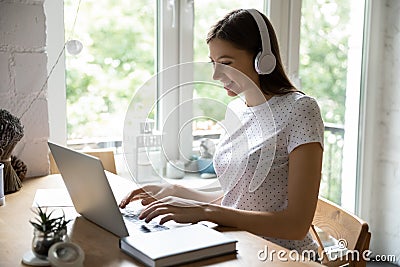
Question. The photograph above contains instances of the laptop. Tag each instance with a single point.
(93, 197)
(151, 243)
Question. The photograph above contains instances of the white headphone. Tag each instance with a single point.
(265, 61)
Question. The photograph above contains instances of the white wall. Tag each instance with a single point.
(23, 71)
(381, 187)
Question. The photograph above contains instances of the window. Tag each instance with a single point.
(330, 70)
(118, 55)
(320, 44)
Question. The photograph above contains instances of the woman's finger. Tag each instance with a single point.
(131, 197)
(148, 200)
(151, 207)
(166, 218)
(155, 213)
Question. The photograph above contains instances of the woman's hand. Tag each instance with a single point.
(180, 210)
(149, 194)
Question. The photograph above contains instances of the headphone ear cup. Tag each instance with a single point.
(264, 63)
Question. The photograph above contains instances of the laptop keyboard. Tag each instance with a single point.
(133, 216)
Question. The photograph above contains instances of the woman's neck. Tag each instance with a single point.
(256, 99)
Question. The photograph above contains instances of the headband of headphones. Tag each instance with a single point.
(265, 61)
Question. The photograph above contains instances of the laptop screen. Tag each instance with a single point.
(89, 189)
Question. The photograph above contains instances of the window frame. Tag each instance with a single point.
(175, 32)
(56, 86)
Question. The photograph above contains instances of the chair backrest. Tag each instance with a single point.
(106, 156)
(340, 224)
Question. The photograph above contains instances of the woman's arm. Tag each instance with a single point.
(151, 193)
(305, 163)
(292, 223)
(198, 195)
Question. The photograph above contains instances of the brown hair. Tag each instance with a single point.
(240, 29)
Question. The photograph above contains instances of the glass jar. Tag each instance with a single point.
(42, 241)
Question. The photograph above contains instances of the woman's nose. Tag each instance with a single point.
(217, 72)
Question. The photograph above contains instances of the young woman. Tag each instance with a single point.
(269, 178)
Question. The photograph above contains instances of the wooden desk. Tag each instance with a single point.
(100, 246)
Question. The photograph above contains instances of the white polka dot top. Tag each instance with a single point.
(251, 159)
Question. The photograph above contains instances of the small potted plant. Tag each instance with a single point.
(47, 231)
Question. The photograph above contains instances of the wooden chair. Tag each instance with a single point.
(105, 155)
(352, 232)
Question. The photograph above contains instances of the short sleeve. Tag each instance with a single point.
(305, 124)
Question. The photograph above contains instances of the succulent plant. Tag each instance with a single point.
(44, 223)
(48, 231)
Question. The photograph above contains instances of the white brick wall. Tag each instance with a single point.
(385, 197)
(25, 31)
(5, 79)
(23, 72)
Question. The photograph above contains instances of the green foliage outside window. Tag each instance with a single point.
(323, 55)
(118, 56)
(323, 69)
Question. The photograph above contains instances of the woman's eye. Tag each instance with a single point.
(221, 63)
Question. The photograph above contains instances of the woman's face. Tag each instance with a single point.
(235, 80)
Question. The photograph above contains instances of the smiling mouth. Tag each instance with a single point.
(228, 85)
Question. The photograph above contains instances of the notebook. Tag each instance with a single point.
(93, 198)
(187, 244)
